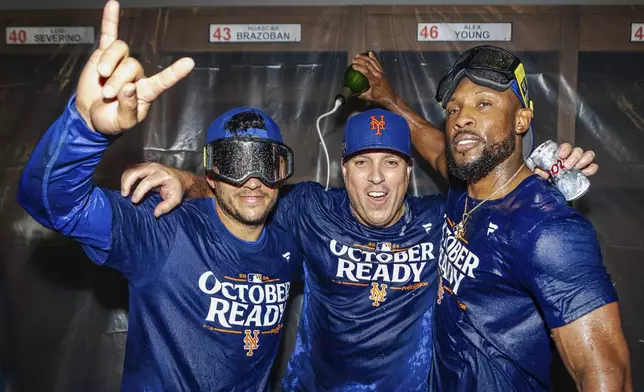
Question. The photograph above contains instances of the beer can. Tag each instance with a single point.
(571, 182)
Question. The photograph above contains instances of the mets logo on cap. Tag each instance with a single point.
(376, 129)
(378, 124)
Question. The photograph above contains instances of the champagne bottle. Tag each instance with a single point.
(355, 83)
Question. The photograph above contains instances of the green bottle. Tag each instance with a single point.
(355, 83)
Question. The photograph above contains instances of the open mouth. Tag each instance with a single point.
(377, 197)
(464, 142)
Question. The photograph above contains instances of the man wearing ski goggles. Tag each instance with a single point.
(208, 284)
(235, 155)
(307, 365)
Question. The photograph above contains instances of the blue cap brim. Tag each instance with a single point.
(349, 154)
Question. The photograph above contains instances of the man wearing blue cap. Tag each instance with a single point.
(519, 269)
(370, 254)
(371, 257)
(208, 283)
(370, 264)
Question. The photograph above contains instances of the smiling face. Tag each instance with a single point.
(248, 204)
(376, 182)
(483, 129)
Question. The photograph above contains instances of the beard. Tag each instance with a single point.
(491, 157)
(227, 206)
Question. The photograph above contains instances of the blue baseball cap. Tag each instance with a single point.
(217, 130)
(377, 129)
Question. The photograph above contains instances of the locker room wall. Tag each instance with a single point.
(85, 4)
(65, 320)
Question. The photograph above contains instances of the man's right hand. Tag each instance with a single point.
(113, 92)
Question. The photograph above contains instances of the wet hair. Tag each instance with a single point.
(240, 123)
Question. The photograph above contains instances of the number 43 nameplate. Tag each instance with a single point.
(223, 33)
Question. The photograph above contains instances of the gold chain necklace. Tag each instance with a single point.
(459, 229)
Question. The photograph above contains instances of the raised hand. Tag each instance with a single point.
(113, 93)
(380, 90)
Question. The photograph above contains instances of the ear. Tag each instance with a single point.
(410, 166)
(343, 164)
(523, 120)
(210, 180)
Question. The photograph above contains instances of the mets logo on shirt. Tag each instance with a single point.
(251, 343)
(249, 305)
(380, 267)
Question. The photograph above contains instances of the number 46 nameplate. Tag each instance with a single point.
(441, 32)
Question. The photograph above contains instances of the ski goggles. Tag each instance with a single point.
(236, 160)
(488, 66)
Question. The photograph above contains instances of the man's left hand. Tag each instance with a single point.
(575, 158)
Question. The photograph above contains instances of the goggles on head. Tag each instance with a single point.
(236, 160)
(488, 66)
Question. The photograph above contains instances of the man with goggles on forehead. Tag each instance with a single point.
(371, 254)
(208, 283)
(517, 265)
(487, 66)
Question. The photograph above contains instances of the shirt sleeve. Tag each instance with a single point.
(56, 186)
(564, 270)
(56, 189)
(140, 243)
(294, 203)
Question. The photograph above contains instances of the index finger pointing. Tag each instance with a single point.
(109, 24)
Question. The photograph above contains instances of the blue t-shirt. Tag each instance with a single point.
(205, 308)
(366, 319)
(528, 264)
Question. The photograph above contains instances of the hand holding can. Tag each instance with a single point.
(571, 182)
